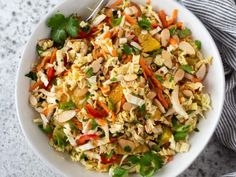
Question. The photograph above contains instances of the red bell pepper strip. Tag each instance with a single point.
(114, 159)
(83, 34)
(84, 138)
(94, 112)
(50, 73)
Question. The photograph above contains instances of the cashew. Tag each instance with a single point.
(124, 143)
(187, 93)
(151, 95)
(65, 116)
(201, 73)
(96, 65)
(127, 106)
(165, 37)
(130, 77)
(187, 48)
(179, 75)
(33, 100)
(167, 59)
(78, 92)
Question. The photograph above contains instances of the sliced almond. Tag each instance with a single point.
(78, 92)
(66, 115)
(151, 95)
(187, 93)
(33, 100)
(165, 37)
(127, 106)
(96, 65)
(167, 59)
(124, 143)
(201, 73)
(187, 48)
(179, 75)
(130, 77)
(159, 105)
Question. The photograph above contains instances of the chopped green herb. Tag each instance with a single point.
(180, 136)
(196, 130)
(111, 105)
(72, 26)
(47, 130)
(116, 21)
(133, 159)
(127, 49)
(142, 109)
(89, 72)
(120, 172)
(39, 50)
(127, 149)
(84, 157)
(86, 29)
(172, 30)
(180, 131)
(93, 124)
(58, 35)
(198, 44)
(187, 68)
(59, 137)
(184, 33)
(110, 154)
(145, 23)
(155, 52)
(32, 75)
(67, 105)
(113, 79)
(171, 78)
(136, 50)
(160, 78)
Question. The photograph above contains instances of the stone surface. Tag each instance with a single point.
(17, 20)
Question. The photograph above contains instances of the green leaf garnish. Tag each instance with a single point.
(120, 172)
(32, 75)
(111, 104)
(58, 35)
(115, 21)
(113, 79)
(47, 130)
(187, 68)
(198, 44)
(180, 131)
(133, 159)
(172, 30)
(59, 137)
(127, 49)
(89, 72)
(127, 149)
(56, 21)
(93, 124)
(72, 26)
(67, 105)
(142, 109)
(145, 23)
(184, 33)
(160, 78)
(39, 50)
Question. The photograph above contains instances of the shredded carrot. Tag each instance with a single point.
(53, 56)
(114, 53)
(162, 16)
(194, 79)
(161, 98)
(37, 84)
(173, 41)
(117, 3)
(123, 100)
(107, 35)
(47, 110)
(128, 58)
(43, 62)
(102, 122)
(113, 117)
(145, 68)
(77, 123)
(173, 17)
(104, 106)
(129, 19)
(169, 158)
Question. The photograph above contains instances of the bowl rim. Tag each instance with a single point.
(17, 88)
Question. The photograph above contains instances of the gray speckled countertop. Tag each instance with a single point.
(17, 19)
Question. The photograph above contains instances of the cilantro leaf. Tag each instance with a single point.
(120, 172)
(67, 105)
(115, 21)
(56, 21)
(72, 26)
(184, 33)
(89, 72)
(172, 30)
(111, 105)
(160, 78)
(47, 130)
(133, 159)
(180, 131)
(187, 68)
(127, 149)
(145, 23)
(93, 124)
(58, 35)
(198, 44)
(142, 109)
(113, 79)
(127, 49)
(39, 50)
(32, 75)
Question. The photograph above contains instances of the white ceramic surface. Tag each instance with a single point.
(214, 85)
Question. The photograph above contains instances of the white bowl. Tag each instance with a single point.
(214, 85)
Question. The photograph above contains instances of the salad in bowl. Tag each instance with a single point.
(120, 93)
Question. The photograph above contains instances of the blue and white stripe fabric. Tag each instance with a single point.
(219, 17)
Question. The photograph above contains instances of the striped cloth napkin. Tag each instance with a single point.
(219, 17)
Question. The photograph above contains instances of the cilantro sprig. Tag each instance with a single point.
(62, 27)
